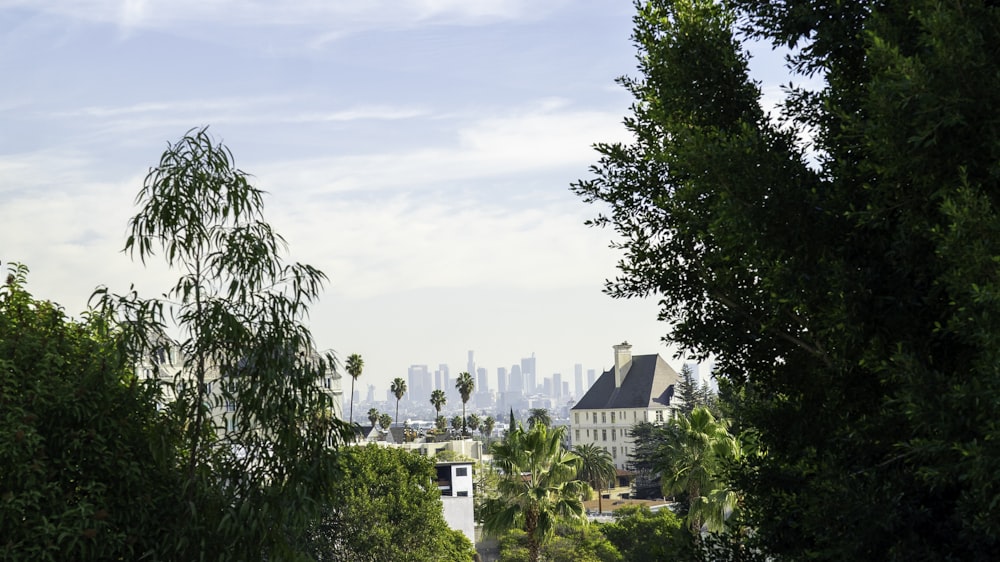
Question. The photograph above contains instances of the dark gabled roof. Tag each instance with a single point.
(649, 383)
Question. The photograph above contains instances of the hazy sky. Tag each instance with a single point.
(419, 152)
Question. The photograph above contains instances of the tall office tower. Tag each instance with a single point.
(501, 380)
(565, 389)
(547, 387)
(578, 381)
(438, 382)
(446, 386)
(557, 386)
(418, 387)
(591, 375)
(471, 366)
(371, 394)
(528, 373)
(516, 380)
(482, 385)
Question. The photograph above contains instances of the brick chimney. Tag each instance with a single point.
(623, 355)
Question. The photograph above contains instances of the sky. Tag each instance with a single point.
(419, 153)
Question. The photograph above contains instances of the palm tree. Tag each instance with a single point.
(373, 416)
(384, 421)
(598, 468)
(438, 400)
(398, 388)
(474, 422)
(539, 416)
(487, 427)
(538, 486)
(465, 386)
(457, 422)
(355, 364)
(693, 460)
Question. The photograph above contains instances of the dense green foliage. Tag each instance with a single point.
(251, 474)
(838, 259)
(643, 536)
(88, 467)
(537, 488)
(568, 543)
(385, 507)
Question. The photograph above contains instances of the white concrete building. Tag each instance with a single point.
(454, 480)
(639, 388)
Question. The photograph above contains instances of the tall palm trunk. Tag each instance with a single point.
(352, 400)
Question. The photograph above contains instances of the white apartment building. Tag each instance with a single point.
(639, 388)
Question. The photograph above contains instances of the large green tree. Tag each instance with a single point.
(89, 469)
(238, 309)
(643, 536)
(837, 258)
(383, 508)
(537, 487)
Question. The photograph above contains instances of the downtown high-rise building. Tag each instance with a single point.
(578, 381)
(419, 384)
(528, 373)
(516, 383)
(501, 380)
(591, 376)
(482, 384)
(557, 385)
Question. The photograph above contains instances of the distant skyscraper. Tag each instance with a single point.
(591, 375)
(482, 385)
(501, 380)
(419, 385)
(557, 386)
(578, 381)
(528, 373)
(516, 383)
(471, 367)
(565, 390)
(547, 387)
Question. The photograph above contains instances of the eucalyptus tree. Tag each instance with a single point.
(465, 386)
(398, 389)
(373, 416)
(238, 308)
(537, 487)
(355, 364)
(597, 468)
(438, 400)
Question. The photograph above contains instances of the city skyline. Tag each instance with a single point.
(420, 154)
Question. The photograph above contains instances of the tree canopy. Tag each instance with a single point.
(385, 508)
(836, 258)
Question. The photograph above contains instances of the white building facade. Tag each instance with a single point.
(636, 389)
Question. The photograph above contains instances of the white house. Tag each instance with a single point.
(639, 388)
(454, 480)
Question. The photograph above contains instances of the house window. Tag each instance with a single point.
(463, 494)
(230, 406)
(588, 433)
(614, 451)
(659, 415)
(604, 417)
(604, 435)
(326, 382)
(578, 435)
(633, 416)
(612, 434)
(462, 471)
(576, 416)
(612, 417)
